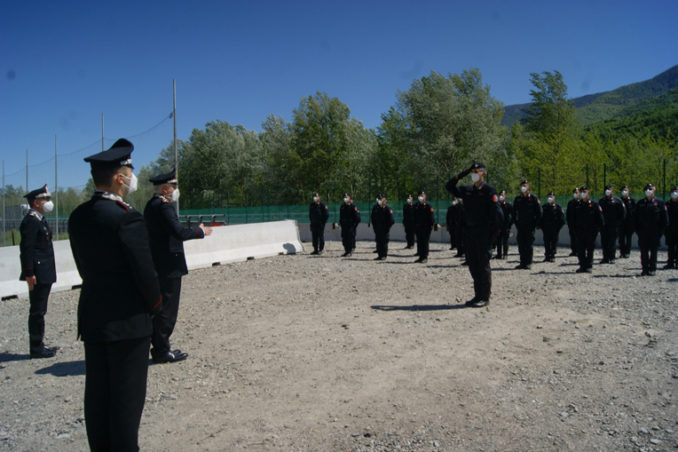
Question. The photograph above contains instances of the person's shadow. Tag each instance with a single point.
(6, 357)
(419, 307)
(64, 369)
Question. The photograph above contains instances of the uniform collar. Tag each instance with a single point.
(36, 214)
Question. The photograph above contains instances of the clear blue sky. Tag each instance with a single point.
(64, 63)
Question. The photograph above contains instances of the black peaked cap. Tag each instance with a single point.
(166, 178)
(116, 155)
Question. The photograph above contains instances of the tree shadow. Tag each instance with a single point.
(6, 357)
(64, 369)
(419, 307)
(619, 275)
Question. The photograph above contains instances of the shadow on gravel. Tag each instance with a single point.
(618, 275)
(67, 369)
(6, 357)
(419, 307)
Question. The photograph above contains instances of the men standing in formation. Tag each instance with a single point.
(482, 219)
(628, 225)
(505, 226)
(424, 219)
(37, 267)
(527, 211)
(569, 213)
(382, 220)
(166, 236)
(408, 222)
(651, 221)
(552, 219)
(349, 218)
(318, 215)
(119, 292)
(614, 214)
(588, 220)
(672, 230)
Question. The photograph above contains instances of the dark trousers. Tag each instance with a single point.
(382, 243)
(423, 237)
(166, 317)
(318, 234)
(348, 238)
(573, 239)
(550, 242)
(36, 314)
(608, 241)
(672, 244)
(625, 240)
(478, 260)
(525, 241)
(409, 235)
(502, 242)
(115, 391)
(648, 245)
(586, 243)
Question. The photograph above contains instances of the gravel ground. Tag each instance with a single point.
(327, 353)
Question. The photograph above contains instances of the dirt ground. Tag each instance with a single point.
(327, 353)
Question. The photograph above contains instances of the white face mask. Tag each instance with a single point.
(379, 201)
(454, 203)
(475, 177)
(175, 195)
(501, 198)
(409, 200)
(648, 193)
(550, 200)
(608, 192)
(575, 195)
(132, 187)
(48, 206)
(523, 189)
(346, 200)
(674, 195)
(584, 195)
(315, 199)
(421, 199)
(625, 192)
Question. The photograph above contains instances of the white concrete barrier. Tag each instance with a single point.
(226, 244)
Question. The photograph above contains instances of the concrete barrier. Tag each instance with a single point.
(226, 244)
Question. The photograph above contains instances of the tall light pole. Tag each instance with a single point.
(56, 188)
(102, 132)
(174, 115)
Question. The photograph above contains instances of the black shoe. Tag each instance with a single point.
(612, 261)
(314, 253)
(668, 266)
(498, 256)
(451, 248)
(464, 264)
(581, 270)
(572, 253)
(520, 267)
(43, 352)
(605, 261)
(651, 273)
(422, 260)
(459, 255)
(480, 303)
(375, 251)
(379, 258)
(472, 301)
(170, 357)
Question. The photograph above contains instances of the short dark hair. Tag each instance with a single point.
(102, 175)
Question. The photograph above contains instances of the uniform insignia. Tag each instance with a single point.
(494, 198)
(431, 209)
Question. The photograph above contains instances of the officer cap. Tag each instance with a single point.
(38, 193)
(524, 182)
(478, 165)
(674, 188)
(551, 194)
(584, 188)
(167, 178)
(422, 192)
(380, 196)
(315, 193)
(575, 189)
(117, 155)
(503, 191)
(347, 195)
(608, 187)
(649, 186)
(624, 186)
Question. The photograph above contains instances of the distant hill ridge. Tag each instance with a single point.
(623, 101)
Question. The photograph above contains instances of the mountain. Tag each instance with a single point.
(630, 99)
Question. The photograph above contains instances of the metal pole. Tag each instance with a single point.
(56, 188)
(604, 175)
(26, 170)
(664, 181)
(174, 116)
(102, 132)
(4, 215)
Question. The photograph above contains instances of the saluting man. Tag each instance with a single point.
(167, 236)
(651, 221)
(37, 267)
(119, 293)
(318, 215)
(527, 211)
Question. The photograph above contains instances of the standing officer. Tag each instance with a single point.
(672, 230)
(349, 218)
(37, 267)
(527, 210)
(505, 226)
(552, 219)
(318, 215)
(588, 220)
(626, 233)
(382, 220)
(424, 219)
(167, 236)
(614, 214)
(482, 221)
(569, 216)
(451, 221)
(408, 222)
(651, 221)
(119, 292)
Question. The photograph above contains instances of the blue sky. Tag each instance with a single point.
(63, 64)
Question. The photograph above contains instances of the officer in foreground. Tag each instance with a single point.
(672, 230)
(167, 236)
(651, 222)
(614, 213)
(482, 220)
(552, 220)
(318, 215)
(505, 231)
(569, 216)
(527, 211)
(119, 292)
(408, 222)
(349, 218)
(628, 226)
(382, 220)
(588, 220)
(424, 219)
(37, 267)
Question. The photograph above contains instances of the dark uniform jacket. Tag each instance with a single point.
(408, 215)
(318, 213)
(672, 210)
(451, 217)
(481, 207)
(167, 235)
(552, 217)
(629, 221)
(569, 213)
(588, 217)
(507, 210)
(651, 217)
(614, 211)
(382, 219)
(424, 217)
(119, 284)
(349, 215)
(527, 211)
(35, 250)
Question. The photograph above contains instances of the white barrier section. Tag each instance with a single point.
(226, 244)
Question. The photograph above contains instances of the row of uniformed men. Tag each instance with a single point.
(131, 268)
